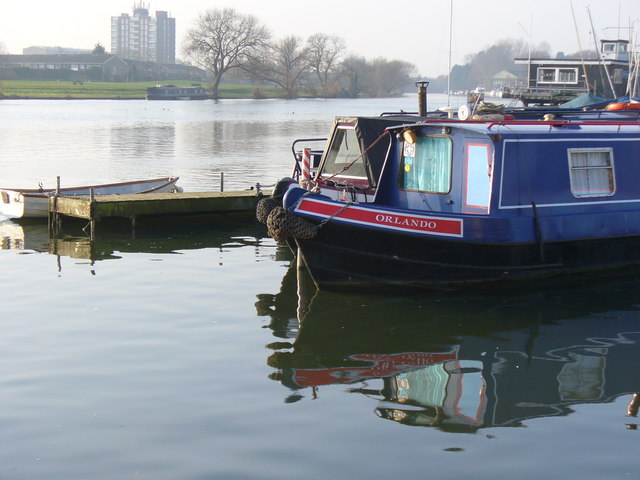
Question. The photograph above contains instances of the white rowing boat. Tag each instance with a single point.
(34, 203)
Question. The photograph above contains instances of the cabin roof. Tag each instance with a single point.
(570, 61)
(82, 58)
(536, 128)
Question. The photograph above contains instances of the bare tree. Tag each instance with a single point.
(3, 50)
(481, 66)
(355, 74)
(324, 53)
(285, 64)
(223, 40)
(391, 77)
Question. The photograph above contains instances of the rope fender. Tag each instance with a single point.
(281, 224)
(265, 206)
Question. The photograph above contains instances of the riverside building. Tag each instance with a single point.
(143, 37)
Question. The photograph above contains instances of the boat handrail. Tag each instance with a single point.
(563, 123)
(401, 112)
(293, 145)
(297, 170)
(491, 123)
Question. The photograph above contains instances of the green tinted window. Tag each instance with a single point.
(426, 165)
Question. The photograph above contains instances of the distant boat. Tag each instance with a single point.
(172, 92)
(34, 202)
(552, 81)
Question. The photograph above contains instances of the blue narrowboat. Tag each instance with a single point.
(445, 203)
(172, 92)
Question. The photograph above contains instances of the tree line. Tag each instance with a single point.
(230, 44)
(479, 68)
(236, 46)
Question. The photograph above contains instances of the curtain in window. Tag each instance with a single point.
(591, 173)
(429, 170)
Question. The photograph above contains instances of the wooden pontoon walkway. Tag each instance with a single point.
(134, 206)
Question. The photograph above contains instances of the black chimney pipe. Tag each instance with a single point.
(422, 98)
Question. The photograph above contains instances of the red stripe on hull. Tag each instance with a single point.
(385, 219)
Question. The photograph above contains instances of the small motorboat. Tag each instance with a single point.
(34, 203)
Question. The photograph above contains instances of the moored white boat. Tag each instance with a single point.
(34, 202)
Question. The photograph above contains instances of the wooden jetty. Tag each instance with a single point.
(96, 209)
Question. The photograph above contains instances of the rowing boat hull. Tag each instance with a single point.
(34, 203)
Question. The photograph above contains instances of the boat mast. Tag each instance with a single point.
(632, 83)
(450, 35)
(528, 34)
(595, 39)
(584, 67)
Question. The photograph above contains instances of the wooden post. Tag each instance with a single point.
(222, 181)
(92, 215)
(54, 219)
(58, 220)
(133, 226)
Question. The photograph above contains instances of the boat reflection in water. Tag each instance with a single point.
(459, 363)
(116, 239)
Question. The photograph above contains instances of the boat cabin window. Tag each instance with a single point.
(567, 75)
(426, 165)
(614, 47)
(558, 75)
(591, 172)
(343, 157)
(618, 76)
(477, 176)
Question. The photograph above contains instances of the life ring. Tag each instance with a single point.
(624, 106)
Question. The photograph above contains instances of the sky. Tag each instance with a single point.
(416, 31)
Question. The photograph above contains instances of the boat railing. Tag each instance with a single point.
(401, 112)
(557, 90)
(564, 122)
(490, 123)
(298, 154)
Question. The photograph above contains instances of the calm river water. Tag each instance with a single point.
(201, 352)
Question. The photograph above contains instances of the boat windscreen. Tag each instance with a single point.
(344, 155)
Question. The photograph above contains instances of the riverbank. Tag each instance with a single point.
(51, 90)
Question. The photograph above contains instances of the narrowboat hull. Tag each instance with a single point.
(344, 255)
(370, 246)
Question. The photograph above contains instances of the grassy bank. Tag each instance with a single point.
(108, 90)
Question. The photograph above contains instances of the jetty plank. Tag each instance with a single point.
(136, 205)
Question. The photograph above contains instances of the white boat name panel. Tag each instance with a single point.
(427, 225)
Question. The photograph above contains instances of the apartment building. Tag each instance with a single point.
(143, 37)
